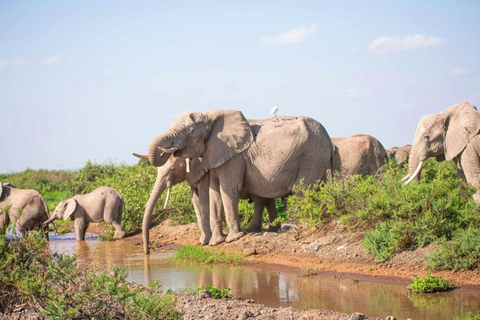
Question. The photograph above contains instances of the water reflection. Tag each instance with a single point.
(272, 288)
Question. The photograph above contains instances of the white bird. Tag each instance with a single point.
(275, 109)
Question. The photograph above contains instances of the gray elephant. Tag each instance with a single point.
(399, 155)
(358, 154)
(102, 204)
(263, 159)
(176, 170)
(452, 134)
(23, 208)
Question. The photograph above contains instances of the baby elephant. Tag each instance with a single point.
(24, 208)
(102, 204)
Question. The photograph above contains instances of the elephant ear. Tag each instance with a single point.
(196, 171)
(462, 125)
(230, 134)
(70, 206)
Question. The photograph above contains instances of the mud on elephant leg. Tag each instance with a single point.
(216, 211)
(119, 232)
(80, 226)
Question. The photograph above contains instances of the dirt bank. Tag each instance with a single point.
(332, 250)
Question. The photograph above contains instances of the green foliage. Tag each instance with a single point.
(41, 180)
(395, 218)
(35, 280)
(469, 316)
(197, 254)
(428, 284)
(216, 293)
(463, 252)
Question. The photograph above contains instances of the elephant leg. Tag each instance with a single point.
(3, 221)
(470, 165)
(80, 226)
(230, 204)
(272, 216)
(200, 202)
(256, 223)
(119, 232)
(216, 210)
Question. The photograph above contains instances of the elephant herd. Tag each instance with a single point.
(224, 157)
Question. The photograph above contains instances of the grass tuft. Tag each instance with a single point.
(197, 254)
(429, 284)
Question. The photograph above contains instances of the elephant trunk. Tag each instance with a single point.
(165, 141)
(157, 191)
(50, 220)
(414, 166)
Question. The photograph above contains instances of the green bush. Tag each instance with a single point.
(216, 293)
(394, 217)
(33, 279)
(469, 316)
(462, 252)
(428, 284)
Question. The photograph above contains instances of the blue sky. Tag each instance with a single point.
(90, 80)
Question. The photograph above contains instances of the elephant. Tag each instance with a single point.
(399, 155)
(175, 171)
(452, 134)
(263, 158)
(102, 204)
(24, 208)
(358, 154)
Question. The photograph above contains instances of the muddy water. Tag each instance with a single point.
(271, 288)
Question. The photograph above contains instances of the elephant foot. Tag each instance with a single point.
(118, 234)
(274, 228)
(217, 239)
(232, 236)
(205, 239)
(254, 229)
(476, 197)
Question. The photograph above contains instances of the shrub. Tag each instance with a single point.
(216, 293)
(469, 316)
(462, 252)
(428, 284)
(35, 280)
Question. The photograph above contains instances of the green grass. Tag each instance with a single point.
(429, 284)
(191, 253)
(469, 316)
(51, 284)
(216, 293)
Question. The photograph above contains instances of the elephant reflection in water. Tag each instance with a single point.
(104, 253)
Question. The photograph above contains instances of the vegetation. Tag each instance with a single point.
(396, 218)
(428, 284)
(469, 316)
(393, 218)
(216, 293)
(35, 280)
(209, 256)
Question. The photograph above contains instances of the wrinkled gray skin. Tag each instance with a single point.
(102, 204)
(358, 154)
(264, 160)
(174, 172)
(399, 155)
(24, 208)
(452, 134)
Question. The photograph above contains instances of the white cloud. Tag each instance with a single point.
(352, 93)
(15, 62)
(460, 72)
(51, 60)
(410, 42)
(112, 72)
(293, 36)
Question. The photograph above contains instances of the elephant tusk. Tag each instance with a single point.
(405, 178)
(417, 170)
(168, 198)
(141, 156)
(171, 150)
(187, 161)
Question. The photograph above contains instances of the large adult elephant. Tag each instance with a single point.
(399, 155)
(359, 154)
(262, 160)
(452, 134)
(24, 208)
(175, 171)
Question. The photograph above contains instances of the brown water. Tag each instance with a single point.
(271, 288)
